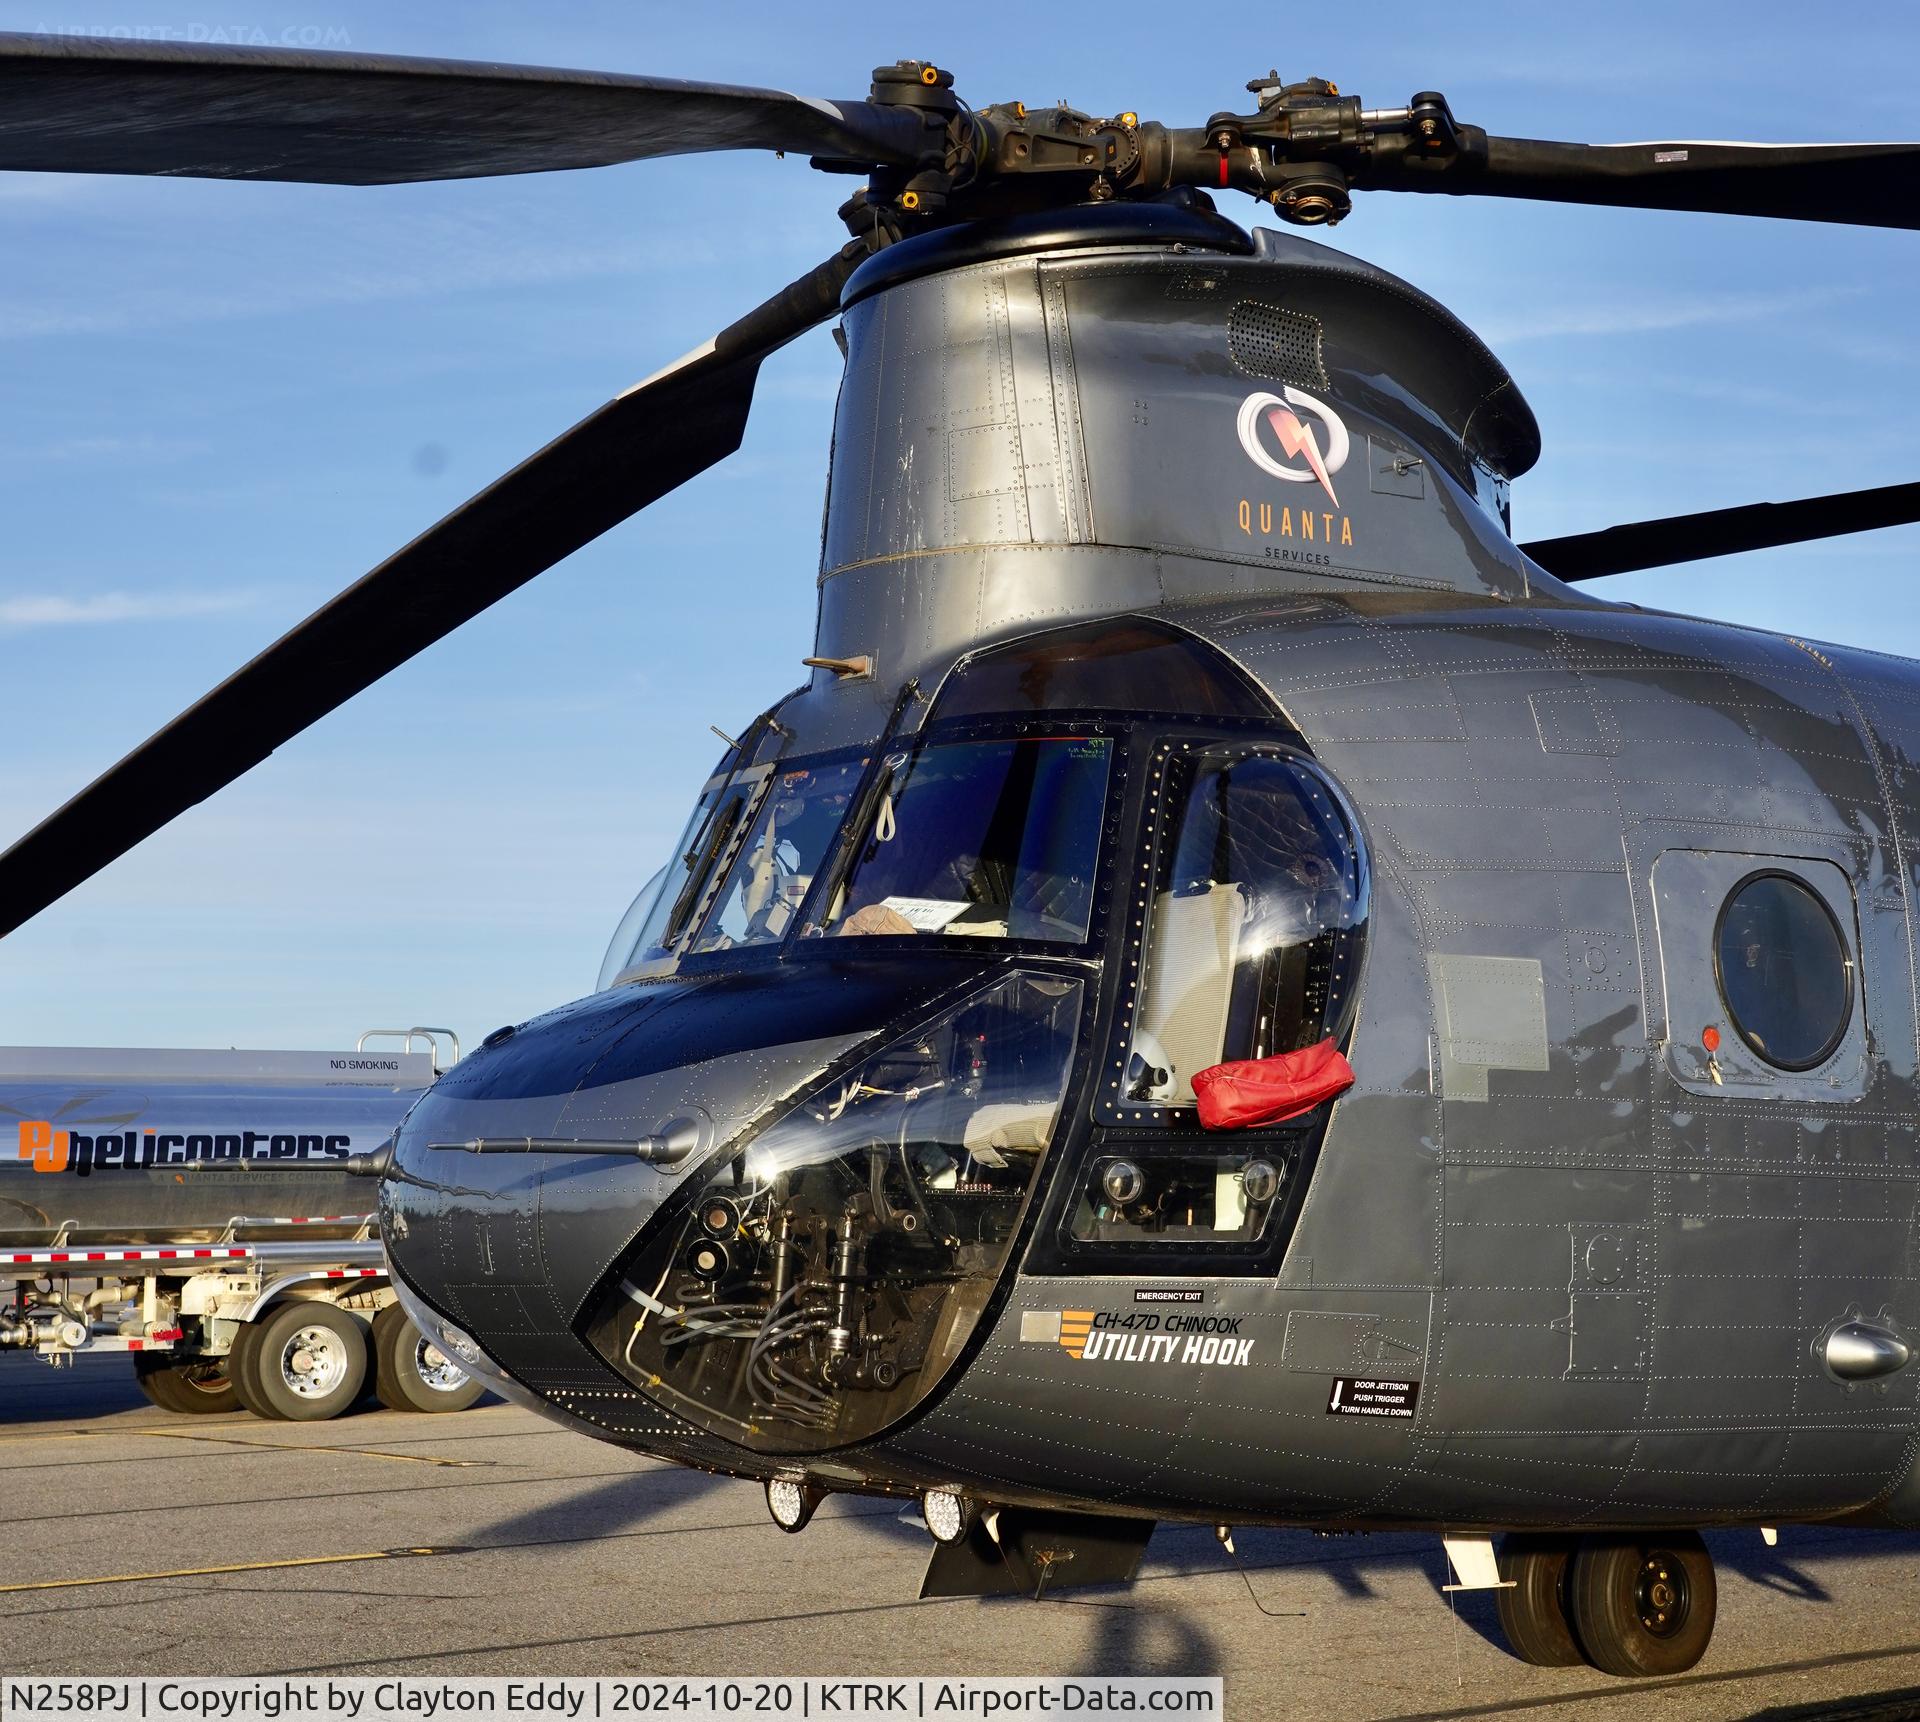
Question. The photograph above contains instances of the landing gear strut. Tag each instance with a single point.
(1630, 1605)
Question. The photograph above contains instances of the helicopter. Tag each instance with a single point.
(1236, 992)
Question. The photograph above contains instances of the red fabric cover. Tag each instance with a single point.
(1270, 1090)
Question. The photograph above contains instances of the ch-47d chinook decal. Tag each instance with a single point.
(1144, 1337)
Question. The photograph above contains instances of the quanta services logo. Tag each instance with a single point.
(1283, 445)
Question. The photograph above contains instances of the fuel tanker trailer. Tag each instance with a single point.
(200, 1211)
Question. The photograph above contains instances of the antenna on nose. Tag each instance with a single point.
(674, 1143)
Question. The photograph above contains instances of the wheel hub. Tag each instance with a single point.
(436, 1369)
(1660, 1595)
(313, 1363)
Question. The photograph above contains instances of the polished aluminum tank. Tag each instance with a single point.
(149, 1146)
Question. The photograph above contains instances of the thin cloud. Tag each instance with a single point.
(53, 610)
(447, 258)
(141, 448)
(1637, 316)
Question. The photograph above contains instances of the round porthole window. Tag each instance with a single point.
(1786, 973)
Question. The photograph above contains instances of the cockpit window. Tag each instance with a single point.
(792, 831)
(981, 839)
(1254, 924)
(626, 936)
(658, 916)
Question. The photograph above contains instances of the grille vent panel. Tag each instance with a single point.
(1266, 341)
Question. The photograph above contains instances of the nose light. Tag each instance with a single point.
(460, 1344)
(949, 1515)
(790, 1504)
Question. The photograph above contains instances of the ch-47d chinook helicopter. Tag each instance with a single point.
(1235, 992)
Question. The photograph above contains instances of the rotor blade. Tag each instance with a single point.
(1723, 531)
(635, 449)
(1862, 184)
(83, 105)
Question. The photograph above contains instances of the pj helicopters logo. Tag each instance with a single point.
(136, 1149)
(1286, 446)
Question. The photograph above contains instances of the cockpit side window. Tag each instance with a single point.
(658, 915)
(626, 936)
(1254, 923)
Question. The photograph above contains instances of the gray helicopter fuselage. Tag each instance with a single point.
(1570, 1250)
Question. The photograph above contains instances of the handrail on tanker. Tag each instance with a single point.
(363, 1224)
(406, 1035)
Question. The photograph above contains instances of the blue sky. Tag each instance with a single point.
(220, 403)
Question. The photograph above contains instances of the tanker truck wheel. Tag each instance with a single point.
(303, 1362)
(193, 1385)
(411, 1373)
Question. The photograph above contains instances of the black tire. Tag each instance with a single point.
(1533, 1614)
(302, 1363)
(240, 1361)
(192, 1386)
(1642, 1605)
(410, 1373)
(149, 1383)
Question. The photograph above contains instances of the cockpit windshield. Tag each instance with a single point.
(792, 832)
(985, 839)
(995, 837)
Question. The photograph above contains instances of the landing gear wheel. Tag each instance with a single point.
(1642, 1605)
(1533, 1614)
(193, 1385)
(411, 1373)
(304, 1363)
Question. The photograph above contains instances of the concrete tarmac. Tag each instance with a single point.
(555, 1554)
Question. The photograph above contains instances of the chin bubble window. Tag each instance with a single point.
(1785, 971)
(1255, 918)
(820, 1278)
(994, 839)
(1156, 1197)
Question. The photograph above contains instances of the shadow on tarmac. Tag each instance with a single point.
(1902, 1706)
(609, 1509)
